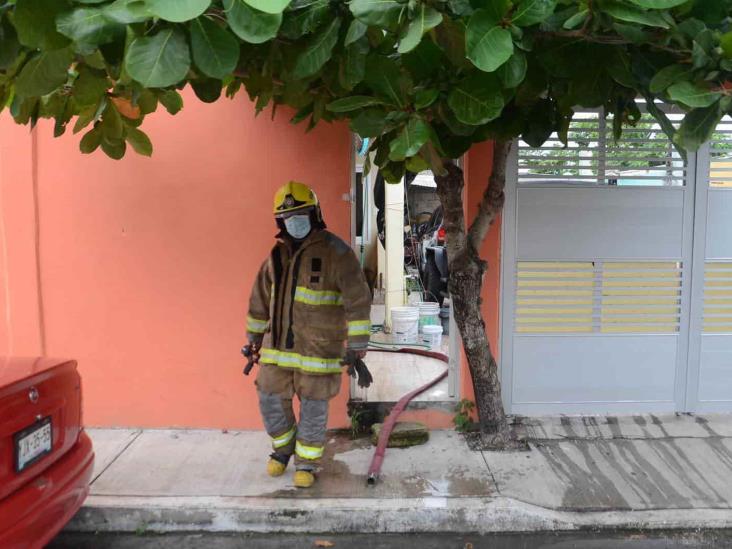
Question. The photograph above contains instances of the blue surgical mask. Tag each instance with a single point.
(298, 226)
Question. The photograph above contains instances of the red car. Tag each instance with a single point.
(46, 458)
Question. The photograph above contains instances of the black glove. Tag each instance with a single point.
(251, 353)
(357, 367)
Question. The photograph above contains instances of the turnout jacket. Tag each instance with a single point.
(308, 304)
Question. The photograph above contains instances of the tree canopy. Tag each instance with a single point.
(424, 79)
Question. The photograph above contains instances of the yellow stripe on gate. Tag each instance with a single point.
(255, 325)
(308, 452)
(310, 364)
(284, 440)
(317, 297)
(359, 327)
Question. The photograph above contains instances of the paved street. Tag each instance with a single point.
(629, 540)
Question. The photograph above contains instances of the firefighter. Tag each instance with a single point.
(309, 308)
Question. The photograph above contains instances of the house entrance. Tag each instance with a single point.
(617, 273)
(399, 239)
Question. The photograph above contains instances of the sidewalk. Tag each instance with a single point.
(592, 472)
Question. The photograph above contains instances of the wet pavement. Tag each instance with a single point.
(578, 472)
(584, 540)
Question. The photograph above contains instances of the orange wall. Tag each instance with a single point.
(144, 265)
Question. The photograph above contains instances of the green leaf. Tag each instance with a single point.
(630, 14)
(426, 60)
(699, 57)
(85, 118)
(111, 124)
(352, 103)
(667, 76)
(499, 8)
(114, 148)
(35, 21)
(620, 69)
(531, 12)
(139, 141)
(352, 69)
(355, 31)
(417, 164)
(318, 51)
(425, 98)
(726, 43)
(513, 72)
(369, 123)
(692, 96)
(488, 45)
(148, 101)
(128, 11)
(380, 13)
(44, 73)
(253, 26)
(658, 4)
(269, 6)
(9, 46)
(91, 141)
(160, 60)
(631, 32)
(477, 99)
(415, 134)
(215, 50)
(171, 100)
(178, 11)
(90, 86)
(384, 77)
(304, 20)
(576, 20)
(207, 90)
(427, 18)
(88, 26)
(698, 127)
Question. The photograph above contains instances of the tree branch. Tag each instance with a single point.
(493, 198)
(613, 40)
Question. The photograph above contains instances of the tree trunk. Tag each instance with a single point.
(465, 284)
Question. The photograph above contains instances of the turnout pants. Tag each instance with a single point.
(276, 387)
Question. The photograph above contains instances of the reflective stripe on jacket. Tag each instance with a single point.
(306, 306)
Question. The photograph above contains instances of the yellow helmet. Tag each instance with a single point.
(293, 196)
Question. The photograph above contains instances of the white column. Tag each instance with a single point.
(394, 271)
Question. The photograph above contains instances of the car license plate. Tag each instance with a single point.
(33, 443)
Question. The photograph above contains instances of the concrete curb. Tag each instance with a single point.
(358, 515)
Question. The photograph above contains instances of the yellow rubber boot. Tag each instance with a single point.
(304, 479)
(275, 468)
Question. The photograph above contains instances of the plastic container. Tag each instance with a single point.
(432, 336)
(429, 314)
(445, 320)
(404, 324)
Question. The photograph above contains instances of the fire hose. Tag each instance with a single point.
(380, 452)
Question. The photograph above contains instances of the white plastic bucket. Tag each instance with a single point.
(432, 336)
(429, 314)
(404, 324)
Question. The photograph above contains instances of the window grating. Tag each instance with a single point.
(598, 297)
(720, 152)
(644, 156)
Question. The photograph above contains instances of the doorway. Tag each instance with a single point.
(409, 214)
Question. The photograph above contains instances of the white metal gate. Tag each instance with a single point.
(598, 258)
(709, 385)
